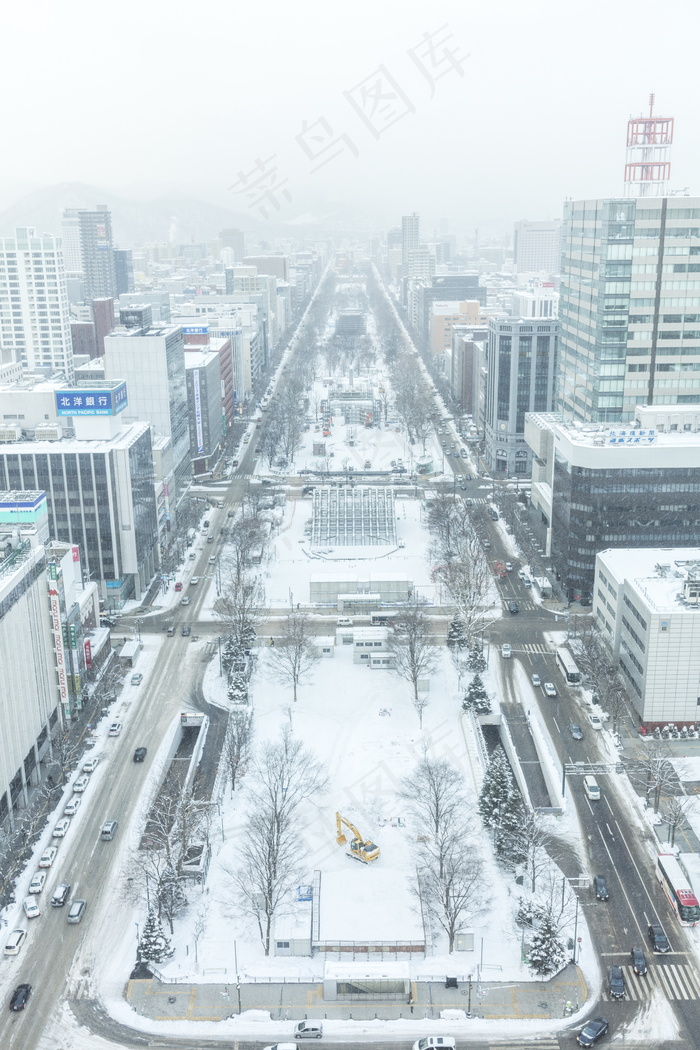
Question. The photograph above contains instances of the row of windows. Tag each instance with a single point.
(635, 612)
(633, 634)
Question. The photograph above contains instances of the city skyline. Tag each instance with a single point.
(492, 118)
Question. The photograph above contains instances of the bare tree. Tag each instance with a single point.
(237, 744)
(241, 605)
(414, 655)
(653, 772)
(675, 814)
(528, 844)
(286, 775)
(468, 583)
(412, 399)
(435, 793)
(451, 886)
(293, 655)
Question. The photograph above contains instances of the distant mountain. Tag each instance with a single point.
(133, 221)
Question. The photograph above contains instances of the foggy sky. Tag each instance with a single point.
(145, 97)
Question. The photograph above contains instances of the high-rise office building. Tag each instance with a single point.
(152, 361)
(537, 246)
(629, 307)
(410, 241)
(520, 379)
(234, 239)
(97, 252)
(123, 270)
(34, 311)
(103, 317)
(70, 235)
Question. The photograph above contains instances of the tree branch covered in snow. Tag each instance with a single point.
(294, 654)
(414, 655)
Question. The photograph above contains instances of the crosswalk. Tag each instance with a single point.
(547, 1043)
(524, 606)
(536, 648)
(676, 981)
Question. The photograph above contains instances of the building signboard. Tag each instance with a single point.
(107, 402)
(631, 436)
(198, 411)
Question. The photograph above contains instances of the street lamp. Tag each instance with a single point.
(469, 999)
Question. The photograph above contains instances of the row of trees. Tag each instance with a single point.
(523, 844)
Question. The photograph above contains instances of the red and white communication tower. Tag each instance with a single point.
(648, 164)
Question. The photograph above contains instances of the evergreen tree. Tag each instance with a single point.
(238, 688)
(476, 697)
(499, 800)
(228, 654)
(456, 638)
(547, 953)
(476, 661)
(154, 946)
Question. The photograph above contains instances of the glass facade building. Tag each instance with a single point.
(630, 306)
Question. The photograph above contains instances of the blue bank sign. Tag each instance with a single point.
(107, 402)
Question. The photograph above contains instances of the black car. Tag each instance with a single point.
(600, 888)
(592, 1031)
(616, 983)
(140, 753)
(576, 731)
(659, 940)
(639, 961)
(513, 608)
(186, 630)
(20, 996)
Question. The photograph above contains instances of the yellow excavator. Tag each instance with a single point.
(361, 849)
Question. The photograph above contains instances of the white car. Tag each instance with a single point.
(549, 689)
(536, 680)
(15, 942)
(81, 784)
(115, 729)
(48, 857)
(194, 581)
(30, 908)
(37, 883)
(596, 723)
(435, 1042)
(61, 828)
(72, 807)
(506, 651)
(91, 765)
(185, 600)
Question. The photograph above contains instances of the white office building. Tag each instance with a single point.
(34, 310)
(647, 605)
(537, 246)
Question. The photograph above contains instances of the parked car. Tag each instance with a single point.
(596, 722)
(576, 731)
(616, 983)
(600, 888)
(20, 996)
(37, 883)
(506, 651)
(115, 729)
(91, 765)
(81, 783)
(639, 961)
(137, 678)
(536, 680)
(14, 942)
(549, 689)
(435, 1042)
(48, 857)
(592, 1031)
(31, 908)
(61, 828)
(658, 939)
(140, 754)
(178, 585)
(72, 807)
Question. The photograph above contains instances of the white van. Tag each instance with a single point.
(590, 786)
(308, 1030)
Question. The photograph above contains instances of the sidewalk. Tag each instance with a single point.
(539, 1000)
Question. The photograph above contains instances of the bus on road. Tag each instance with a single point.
(676, 885)
(568, 666)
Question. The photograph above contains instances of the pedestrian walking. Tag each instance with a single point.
(410, 1002)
